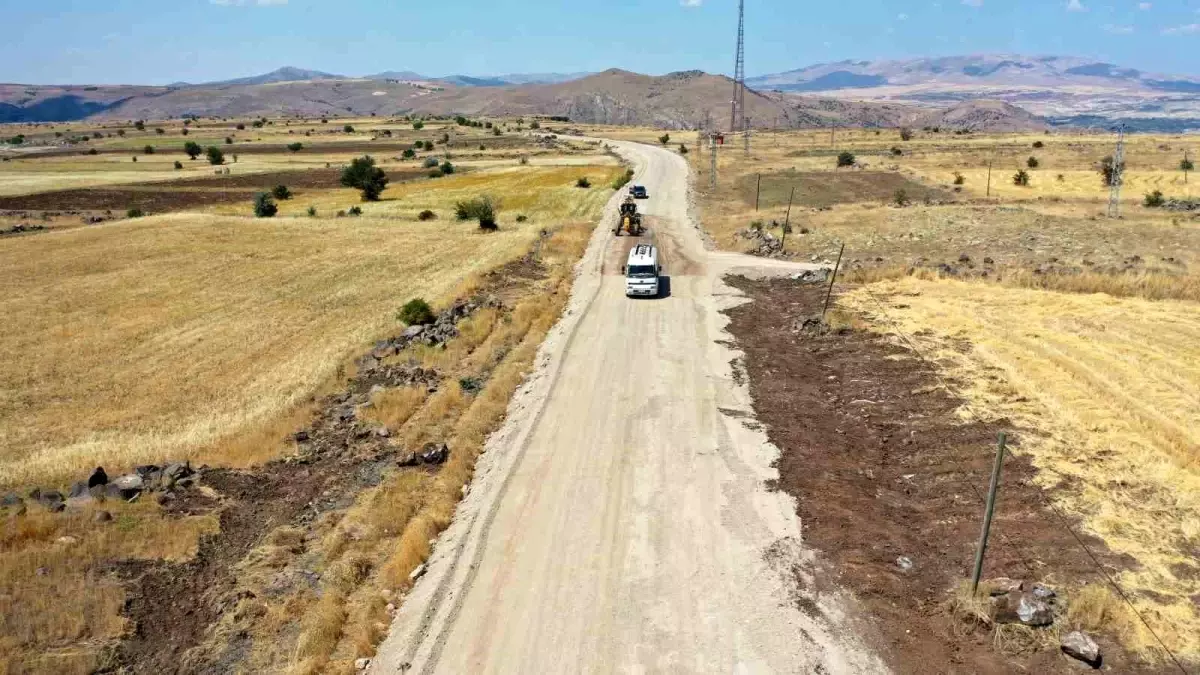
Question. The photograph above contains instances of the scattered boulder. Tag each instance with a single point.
(362, 663)
(128, 486)
(417, 572)
(411, 459)
(1078, 645)
(98, 477)
(11, 499)
(79, 491)
(435, 454)
(178, 470)
(300, 436)
(145, 470)
(413, 331)
(51, 500)
(1023, 608)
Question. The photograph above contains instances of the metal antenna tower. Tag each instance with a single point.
(1118, 175)
(737, 117)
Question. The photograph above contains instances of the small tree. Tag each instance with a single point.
(416, 312)
(355, 210)
(229, 140)
(121, 133)
(664, 139)
(264, 206)
(418, 125)
(1154, 200)
(1109, 171)
(428, 145)
(1185, 165)
(258, 124)
(241, 126)
(281, 192)
(447, 168)
(134, 158)
(535, 125)
(482, 209)
(845, 158)
(348, 129)
(906, 134)
(178, 165)
(184, 131)
(192, 149)
(583, 182)
(959, 179)
(139, 125)
(427, 215)
(430, 162)
(149, 150)
(408, 153)
(215, 156)
(160, 131)
(295, 147)
(1039, 144)
(364, 175)
(900, 197)
(312, 212)
(134, 213)
(445, 139)
(683, 149)
(1032, 162)
(897, 151)
(496, 131)
(1021, 178)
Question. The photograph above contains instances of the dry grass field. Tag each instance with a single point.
(1079, 329)
(204, 333)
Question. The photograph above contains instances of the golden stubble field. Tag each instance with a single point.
(1082, 330)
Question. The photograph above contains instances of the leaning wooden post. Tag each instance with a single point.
(758, 190)
(832, 278)
(788, 217)
(987, 514)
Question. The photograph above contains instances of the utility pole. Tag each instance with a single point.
(989, 179)
(737, 112)
(757, 190)
(1118, 170)
(712, 153)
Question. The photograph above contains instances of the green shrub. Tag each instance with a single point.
(1039, 144)
(445, 139)
(959, 179)
(664, 139)
(482, 209)
(258, 124)
(897, 151)
(228, 140)
(215, 156)
(139, 125)
(241, 127)
(1021, 178)
(900, 197)
(1109, 170)
(430, 162)
(264, 206)
(522, 218)
(149, 150)
(365, 176)
(906, 134)
(160, 131)
(295, 147)
(184, 132)
(354, 211)
(418, 125)
(845, 159)
(535, 125)
(683, 149)
(496, 131)
(427, 215)
(1032, 162)
(1154, 200)
(416, 312)
(482, 147)
(622, 180)
(134, 213)
(312, 212)
(447, 168)
(348, 129)
(178, 165)
(583, 182)
(428, 145)
(192, 149)
(281, 192)
(93, 151)
(408, 153)
(1186, 165)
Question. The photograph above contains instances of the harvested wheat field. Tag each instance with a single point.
(155, 338)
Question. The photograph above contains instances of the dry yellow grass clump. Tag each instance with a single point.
(1111, 385)
(164, 337)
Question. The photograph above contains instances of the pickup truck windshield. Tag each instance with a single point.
(642, 271)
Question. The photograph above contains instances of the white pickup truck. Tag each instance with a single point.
(642, 272)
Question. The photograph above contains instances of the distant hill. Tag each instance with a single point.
(673, 101)
(1064, 88)
(284, 74)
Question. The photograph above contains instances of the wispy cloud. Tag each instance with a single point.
(691, 3)
(1117, 30)
(1186, 29)
(1144, 6)
(1075, 6)
(902, 17)
(973, 3)
(239, 3)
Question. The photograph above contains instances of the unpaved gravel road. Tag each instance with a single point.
(619, 521)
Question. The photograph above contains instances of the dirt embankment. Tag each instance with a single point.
(889, 484)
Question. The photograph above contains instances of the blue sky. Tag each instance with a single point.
(156, 41)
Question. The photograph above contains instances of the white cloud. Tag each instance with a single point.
(1075, 6)
(691, 3)
(973, 3)
(1118, 30)
(1144, 6)
(1186, 29)
(901, 17)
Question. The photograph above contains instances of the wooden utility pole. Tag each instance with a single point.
(989, 179)
(787, 219)
(757, 190)
(989, 509)
(829, 291)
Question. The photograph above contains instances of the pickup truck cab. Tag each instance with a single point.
(642, 272)
(639, 192)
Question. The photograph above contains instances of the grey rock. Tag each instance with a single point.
(129, 486)
(1078, 645)
(11, 499)
(177, 470)
(1033, 611)
(79, 491)
(417, 573)
(435, 453)
(904, 562)
(1042, 592)
(413, 331)
(412, 459)
(362, 663)
(146, 469)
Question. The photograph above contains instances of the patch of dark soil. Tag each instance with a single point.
(889, 484)
(819, 189)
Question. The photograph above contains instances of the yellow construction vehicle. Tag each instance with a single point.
(628, 219)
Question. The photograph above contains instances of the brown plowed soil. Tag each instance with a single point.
(882, 468)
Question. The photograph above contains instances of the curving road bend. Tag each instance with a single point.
(619, 521)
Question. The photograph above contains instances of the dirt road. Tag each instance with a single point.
(620, 522)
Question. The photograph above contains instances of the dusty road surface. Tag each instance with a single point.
(620, 522)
